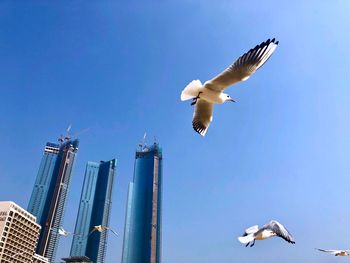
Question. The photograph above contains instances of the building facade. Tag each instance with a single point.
(19, 234)
(94, 209)
(49, 196)
(43, 179)
(142, 232)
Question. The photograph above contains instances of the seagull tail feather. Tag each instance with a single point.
(191, 90)
(246, 239)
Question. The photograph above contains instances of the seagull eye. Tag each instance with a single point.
(228, 96)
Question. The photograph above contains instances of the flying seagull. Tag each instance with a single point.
(340, 253)
(205, 95)
(63, 232)
(101, 228)
(271, 229)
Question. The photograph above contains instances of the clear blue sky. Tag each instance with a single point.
(118, 67)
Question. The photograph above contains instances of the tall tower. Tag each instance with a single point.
(142, 232)
(49, 196)
(95, 207)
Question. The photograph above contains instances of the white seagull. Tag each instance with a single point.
(101, 228)
(63, 232)
(337, 253)
(211, 92)
(271, 229)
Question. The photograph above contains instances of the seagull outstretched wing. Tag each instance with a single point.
(98, 228)
(251, 230)
(115, 233)
(92, 231)
(331, 251)
(280, 231)
(243, 67)
(202, 117)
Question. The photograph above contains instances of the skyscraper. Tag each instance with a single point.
(95, 207)
(142, 232)
(49, 195)
(43, 179)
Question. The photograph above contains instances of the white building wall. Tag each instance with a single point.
(19, 234)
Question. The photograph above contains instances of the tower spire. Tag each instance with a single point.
(142, 144)
(67, 137)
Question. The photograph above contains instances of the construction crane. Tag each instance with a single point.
(68, 136)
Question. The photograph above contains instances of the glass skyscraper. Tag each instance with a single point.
(49, 196)
(142, 232)
(94, 209)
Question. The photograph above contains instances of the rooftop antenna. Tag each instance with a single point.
(142, 144)
(64, 138)
(67, 137)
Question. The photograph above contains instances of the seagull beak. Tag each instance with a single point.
(232, 100)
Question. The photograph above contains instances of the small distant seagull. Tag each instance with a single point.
(101, 228)
(337, 253)
(63, 232)
(205, 96)
(271, 229)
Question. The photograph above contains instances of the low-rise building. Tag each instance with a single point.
(19, 234)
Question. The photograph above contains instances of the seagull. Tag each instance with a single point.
(101, 228)
(340, 253)
(205, 95)
(271, 229)
(63, 232)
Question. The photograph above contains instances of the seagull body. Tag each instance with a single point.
(271, 229)
(205, 95)
(337, 253)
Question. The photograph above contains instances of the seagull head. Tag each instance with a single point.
(226, 97)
